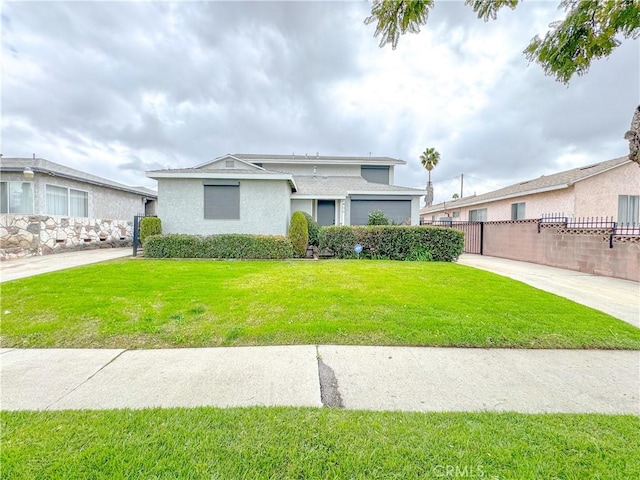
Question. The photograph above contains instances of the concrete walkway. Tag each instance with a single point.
(377, 378)
(373, 378)
(30, 266)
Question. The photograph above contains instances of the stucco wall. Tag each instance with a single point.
(265, 208)
(302, 205)
(103, 202)
(598, 196)
(321, 170)
(584, 250)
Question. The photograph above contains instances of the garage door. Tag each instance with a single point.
(397, 210)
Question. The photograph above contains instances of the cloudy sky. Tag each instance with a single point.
(119, 88)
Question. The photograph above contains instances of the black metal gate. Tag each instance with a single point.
(137, 244)
(473, 233)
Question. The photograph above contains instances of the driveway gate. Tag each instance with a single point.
(472, 233)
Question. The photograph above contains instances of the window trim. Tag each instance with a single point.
(628, 220)
(207, 214)
(68, 207)
(8, 199)
(475, 211)
(516, 214)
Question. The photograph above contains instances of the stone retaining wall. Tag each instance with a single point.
(29, 235)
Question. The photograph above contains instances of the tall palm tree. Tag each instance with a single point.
(429, 159)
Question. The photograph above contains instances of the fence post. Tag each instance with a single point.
(481, 237)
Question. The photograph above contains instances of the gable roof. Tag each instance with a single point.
(317, 159)
(545, 183)
(311, 186)
(40, 165)
(205, 172)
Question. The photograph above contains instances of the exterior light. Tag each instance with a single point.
(28, 173)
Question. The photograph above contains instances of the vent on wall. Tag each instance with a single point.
(229, 164)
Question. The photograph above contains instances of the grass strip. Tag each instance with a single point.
(295, 443)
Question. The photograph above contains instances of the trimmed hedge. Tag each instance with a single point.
(299, 234)
(393, 242)
(239, 246)
(150, 226)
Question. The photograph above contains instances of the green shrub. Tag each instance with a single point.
(299, 234)
(150, 226)
(378, 217)
(313, 229)
(393, 242)
(218, 246)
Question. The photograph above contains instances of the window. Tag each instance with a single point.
(628, 209)
(16, 197)
(66, 201)
(517, 211)
(479, 215)
(375, 173)
(456, 214)
(222, 200)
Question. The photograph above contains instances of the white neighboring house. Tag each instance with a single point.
(35, 186)
(251, 193)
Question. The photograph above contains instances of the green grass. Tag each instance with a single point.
(168, 303)
(296, 443)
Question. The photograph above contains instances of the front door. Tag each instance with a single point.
(326, 212)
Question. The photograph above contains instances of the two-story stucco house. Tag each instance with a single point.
(252, 193)
(606, 189)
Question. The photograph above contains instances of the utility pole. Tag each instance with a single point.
(461, 184)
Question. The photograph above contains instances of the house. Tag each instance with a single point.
(38, 186)
(46, 207)
(606, 189)
(253, 193)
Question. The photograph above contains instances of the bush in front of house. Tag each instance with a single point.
(236, 246)
(378, 217)
(313, 229)
(150, 226)
(299, 234)
(393, 242)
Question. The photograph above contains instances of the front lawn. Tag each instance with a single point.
(169, 303)
(295, 443)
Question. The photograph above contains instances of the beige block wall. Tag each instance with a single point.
(574, 249)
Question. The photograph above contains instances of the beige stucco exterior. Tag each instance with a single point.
(595, 196)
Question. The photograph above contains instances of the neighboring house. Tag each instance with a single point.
(39, 187)
(606, 189)
(248, 193)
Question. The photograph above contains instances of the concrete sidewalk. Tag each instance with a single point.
(619, 298)
(373, 378)
(30, 266)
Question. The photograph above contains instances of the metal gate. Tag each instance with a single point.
(473, 233)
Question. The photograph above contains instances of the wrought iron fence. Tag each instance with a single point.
(596, 223)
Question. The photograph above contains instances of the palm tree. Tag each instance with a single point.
(429, 159)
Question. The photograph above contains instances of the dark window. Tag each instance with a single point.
(479, 215)
(517, 211)
(375, 174)
(222, 200)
